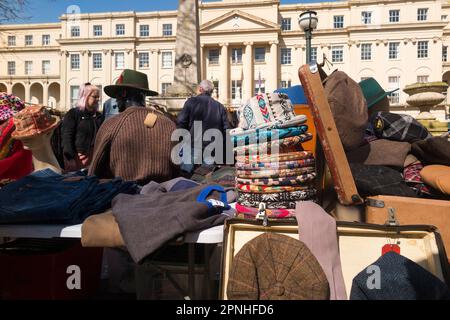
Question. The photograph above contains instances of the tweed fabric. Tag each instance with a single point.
(275, 157)
(126, 148)
(435, 150)
(276, 267)
(285, 181)
(291, 144)
(247, 188)
(243, 174)
(278, 165)
(276, 197)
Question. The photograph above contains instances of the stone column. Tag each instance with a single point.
(202, 64)
(248, 71)
(107, 66)
(154, 71)
(45, 93)
(224, 81)
(9, 86)
(85, 65)
(131, 53)
(64, 104)
(273, 74)
(27, 91)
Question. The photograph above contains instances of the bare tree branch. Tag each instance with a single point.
(11, 10)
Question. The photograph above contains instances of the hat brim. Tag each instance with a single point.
(377, 99)
(113, 90)
(16, 135)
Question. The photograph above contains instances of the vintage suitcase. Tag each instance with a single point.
(379, 209)
(421, 244)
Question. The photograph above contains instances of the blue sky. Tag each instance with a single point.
(49, 10)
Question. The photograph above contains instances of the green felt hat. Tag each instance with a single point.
(130, 79)
(373, 92)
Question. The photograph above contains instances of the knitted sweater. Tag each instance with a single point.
(126, 148)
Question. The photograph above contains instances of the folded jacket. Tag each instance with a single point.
(275, 157)
(286, 181)
(271, 213)
(149, 221)
(243, 174)
(256, 135)
(278, 165)
(101, 230)
(247, 188)
(276, 146)
(276, 197)
(435, 150)
(438, 177)
(381, 152)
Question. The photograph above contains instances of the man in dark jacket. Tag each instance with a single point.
(207, 111)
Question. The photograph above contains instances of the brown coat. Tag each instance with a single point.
(125, 147)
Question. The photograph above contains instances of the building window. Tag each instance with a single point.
(28, 67)
(422, 49)
(120, 60)
(144, 60)
(11, 41)
(236, 90)
(394, 50)
(260, 84)
(422, 14)
(120, 29)
(338, 22)
(286, 56)
(216, 87)
(444, 17)
(167, 29)
(286, 84)
(46, 67)
(213, 56)
(337, 54)
(46, 40)
(422, 79)
(97, 62)
(394, 15)
(144, 30)
(366, 17)
(394, 83)
(164, 87)
(75, 31)
(366, 51)
(286, 24)
(167, 59)
(74, 90)
(98, 31)
(236, 56)
(11, 68)
(444, 53)
(260, 55)
(75, 61)
(313, 53)
(28, 40)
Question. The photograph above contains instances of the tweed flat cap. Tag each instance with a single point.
(276, 267)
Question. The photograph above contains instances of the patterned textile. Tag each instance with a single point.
(6, 142)
(277, 197)
(32, 121)
(287, 181)
(275, 158)
(278, 146)
(264, 135)
(10, 105)
(412, 173)
(271, 213)
(269, 189)
(269, 205)
(276, 166)
(273, 173)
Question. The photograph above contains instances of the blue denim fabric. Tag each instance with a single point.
(44, 197)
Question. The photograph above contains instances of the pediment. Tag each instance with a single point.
(235, 20)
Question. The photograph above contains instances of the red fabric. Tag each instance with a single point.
(18, 165)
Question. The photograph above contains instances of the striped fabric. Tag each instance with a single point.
(287, 181)
(277, 197)
(261, 174)
(275, 166)
(275, 158)
(271, 213)
(291, 144)
(269, 189)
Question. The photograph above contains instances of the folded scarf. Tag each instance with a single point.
(269, 205)
(271, 213)
(244, 174)
(278, 165)
(275, 157)
(247, 188)
(275, 146)
(287, 181)
(256, 135)
(277, 197)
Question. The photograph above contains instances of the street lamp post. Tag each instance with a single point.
(308, 22)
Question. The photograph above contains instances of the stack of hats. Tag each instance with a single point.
(271, 165)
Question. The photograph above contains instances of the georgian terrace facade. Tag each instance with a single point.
(246, 45)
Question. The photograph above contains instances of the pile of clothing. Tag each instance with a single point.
(271, 165)
(51, 198)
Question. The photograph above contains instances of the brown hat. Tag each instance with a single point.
(276, 267)
(32, 121)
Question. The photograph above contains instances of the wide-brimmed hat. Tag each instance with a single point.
(9, 105)
(373, 92)
(32, 121)
(130, 79)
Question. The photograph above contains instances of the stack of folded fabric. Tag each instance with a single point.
(271, 165)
